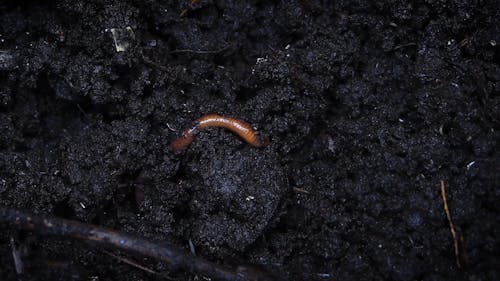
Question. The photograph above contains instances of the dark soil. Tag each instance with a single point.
(369, 105)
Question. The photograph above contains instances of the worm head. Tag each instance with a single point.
(183, 141)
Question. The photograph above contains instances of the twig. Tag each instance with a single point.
(185, 11)
(130, 262)
(83, 112)
(404, 46)
(150, 62)
(186, 51)
(18, 263)
(450, 223)
(176, 258)
(201, 52)
(300, 190)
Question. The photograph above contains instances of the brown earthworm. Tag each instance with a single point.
(239, 127)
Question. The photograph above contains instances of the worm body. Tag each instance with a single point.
(239, 127)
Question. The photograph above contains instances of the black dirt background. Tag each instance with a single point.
(369, 105)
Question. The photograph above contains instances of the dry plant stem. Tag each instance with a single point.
(201, 52)
(450, 223)
(176, 258)
(130, 262)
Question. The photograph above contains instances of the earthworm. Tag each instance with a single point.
(239, 127)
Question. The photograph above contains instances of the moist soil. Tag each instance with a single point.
(369, 106)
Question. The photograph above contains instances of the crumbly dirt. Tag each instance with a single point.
(368, 104)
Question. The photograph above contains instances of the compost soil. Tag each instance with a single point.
(369, 105)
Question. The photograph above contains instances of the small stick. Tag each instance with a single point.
(185, 11)
(300, 190)
(175, 257)
(450, 223)
(18, 263)
(130, 262)
(201, 52)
